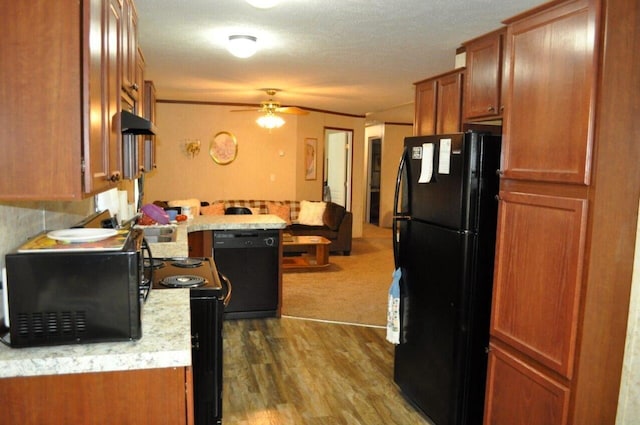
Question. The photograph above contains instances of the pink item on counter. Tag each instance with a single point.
(156, 213)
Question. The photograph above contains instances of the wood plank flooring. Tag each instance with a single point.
(299, 372)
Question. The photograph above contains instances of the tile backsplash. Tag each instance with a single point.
(21, 220)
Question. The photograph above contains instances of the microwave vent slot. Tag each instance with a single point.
(50, 324)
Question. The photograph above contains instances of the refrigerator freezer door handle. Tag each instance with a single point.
(397, 215)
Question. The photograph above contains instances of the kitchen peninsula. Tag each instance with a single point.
(110, 382)
(192, 234)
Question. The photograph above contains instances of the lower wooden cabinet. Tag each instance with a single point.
(136, 397)
(520, 394)
(539, 258)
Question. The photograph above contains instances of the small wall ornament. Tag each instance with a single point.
(191, 147)
(223, 148)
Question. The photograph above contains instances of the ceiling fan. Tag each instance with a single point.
(271, 106)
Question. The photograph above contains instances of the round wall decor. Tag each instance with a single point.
(223, 148)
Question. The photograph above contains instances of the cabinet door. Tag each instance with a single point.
(140, 102)
(449, 103)
(539, 258)
(520, 394)
(549, 104)
(150, 114)
(483, 76)
(425, 108)
(129, 49)
(102, 56)
(112, 80)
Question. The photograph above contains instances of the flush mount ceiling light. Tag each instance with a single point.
(263, 4)
(270, 120)
(242, 46)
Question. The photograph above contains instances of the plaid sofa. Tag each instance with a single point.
(339, 234)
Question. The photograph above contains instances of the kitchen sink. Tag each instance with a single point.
(156, 234)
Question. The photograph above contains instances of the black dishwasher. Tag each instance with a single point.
(250, 259)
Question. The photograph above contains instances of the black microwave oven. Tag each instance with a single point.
(55, 298)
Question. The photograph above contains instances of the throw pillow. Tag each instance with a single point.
(213, 209)
(282, 211)
(333, 215)
(311, 213)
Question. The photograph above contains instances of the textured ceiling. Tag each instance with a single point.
(350, 56)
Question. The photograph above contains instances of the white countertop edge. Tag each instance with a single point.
(91, 364)
(165, 342)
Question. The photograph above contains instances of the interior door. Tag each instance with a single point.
(338, 165)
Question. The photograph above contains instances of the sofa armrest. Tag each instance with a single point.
(343, 243)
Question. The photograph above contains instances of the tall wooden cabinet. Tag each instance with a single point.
(438, 104)
(546, 366)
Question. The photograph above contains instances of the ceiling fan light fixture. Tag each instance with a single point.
(263, 4)
(242, 46)
(270, 121)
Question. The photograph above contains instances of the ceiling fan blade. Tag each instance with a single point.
(246, 110)
(291, 110)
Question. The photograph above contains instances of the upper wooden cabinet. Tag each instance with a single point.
(438, 104)
(483, 79)
(60, 128)
(149, 112)
(130, 83)
(57, 126)
(550, 94)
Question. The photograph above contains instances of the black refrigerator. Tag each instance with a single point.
(444, 231)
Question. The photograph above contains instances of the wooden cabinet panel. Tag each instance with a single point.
(483, 76)
(61, 111)
(438, 104)
(113, 78)
(425, 108)
(96, 142)
(520, 395)
(539, 257)
(129, 37)
(149, 112)
(449, 104)
(150, 396)
(550, 71)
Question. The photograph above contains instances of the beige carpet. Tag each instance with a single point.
(353, 289)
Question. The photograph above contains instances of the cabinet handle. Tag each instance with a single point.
(115, 177)
(134, 86)
(491, 109)
(501, 108)
(499, 172)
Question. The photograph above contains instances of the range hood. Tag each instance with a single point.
(133, 124)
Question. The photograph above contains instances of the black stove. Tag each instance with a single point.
(209, 293)
(183, 272)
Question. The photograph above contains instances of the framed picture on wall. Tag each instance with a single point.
(310, 158)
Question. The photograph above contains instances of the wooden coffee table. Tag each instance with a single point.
(317, 255)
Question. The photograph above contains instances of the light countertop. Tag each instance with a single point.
(180, 248)
(165, 342)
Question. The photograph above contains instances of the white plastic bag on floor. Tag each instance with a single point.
(393, 309)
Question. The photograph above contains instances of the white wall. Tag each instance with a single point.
(629, 401)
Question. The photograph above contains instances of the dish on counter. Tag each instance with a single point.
(81, 235)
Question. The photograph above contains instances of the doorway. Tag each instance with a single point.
(337, 166)
(373, 199)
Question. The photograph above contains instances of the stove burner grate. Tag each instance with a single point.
(183, 281)
(187, 262)
(153, 263)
